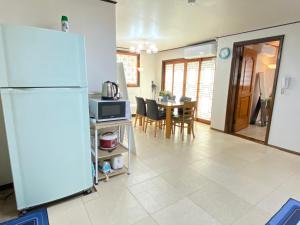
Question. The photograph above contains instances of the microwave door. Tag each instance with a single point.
(111, 110)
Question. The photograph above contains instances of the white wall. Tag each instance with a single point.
(147, 62)
(286, 121)
(94, 19)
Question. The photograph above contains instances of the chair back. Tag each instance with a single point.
(185, 99)
(189, 109)
(172, 98)
(152, 109)
(141, 106)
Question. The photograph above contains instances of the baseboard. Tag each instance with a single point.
(249, 138)
(285, 150)
(214, 129)
(6, 186)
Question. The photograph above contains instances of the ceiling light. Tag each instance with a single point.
(140, 69)
(272, 66)
(146, 46)
(148, 51)
(132, 49)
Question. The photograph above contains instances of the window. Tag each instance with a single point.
(192, 78)
(206, 86)
(192, 75)
(131, 63)
(169, 78)
(178, 80)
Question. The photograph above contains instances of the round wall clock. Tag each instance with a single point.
(224, 53)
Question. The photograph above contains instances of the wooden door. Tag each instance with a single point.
(244, 98)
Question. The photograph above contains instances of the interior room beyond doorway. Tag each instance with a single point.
(262, 87)
(255, 72)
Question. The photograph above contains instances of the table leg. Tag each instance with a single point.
(189, 128)
(141, 121)
(129, 147)
(168, 122)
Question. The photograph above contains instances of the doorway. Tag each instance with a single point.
(254, 74)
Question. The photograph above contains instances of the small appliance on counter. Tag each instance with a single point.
(105, 168)
(107, 110)
(117, 162)
(108, 141)
(110, 91)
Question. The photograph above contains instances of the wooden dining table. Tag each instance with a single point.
(168, 106)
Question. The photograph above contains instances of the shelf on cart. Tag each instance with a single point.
(114, 173)
(107, 124)
(105, 154)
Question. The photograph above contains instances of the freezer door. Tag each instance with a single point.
(34, 57)
(49, 143)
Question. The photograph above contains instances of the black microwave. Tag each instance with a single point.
(107, 110)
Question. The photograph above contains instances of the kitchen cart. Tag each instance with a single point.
(98, 154)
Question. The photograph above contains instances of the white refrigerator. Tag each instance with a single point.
(44, 102)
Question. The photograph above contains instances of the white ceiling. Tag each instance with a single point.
(175, 23)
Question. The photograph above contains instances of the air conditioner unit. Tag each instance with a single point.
(201, 51)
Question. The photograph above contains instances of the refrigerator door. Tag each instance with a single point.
(49, 143)
(34, 57)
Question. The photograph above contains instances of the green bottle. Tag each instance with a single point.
(64, 24)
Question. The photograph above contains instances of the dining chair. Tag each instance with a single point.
(154, 115)
(183, 99)
(187, 118)
(172, 98)
(140, 111)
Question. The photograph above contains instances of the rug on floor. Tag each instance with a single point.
(37, 217)
(289, 214)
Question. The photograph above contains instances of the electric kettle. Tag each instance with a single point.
(110, 91)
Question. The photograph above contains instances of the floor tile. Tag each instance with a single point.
(184, 212)
(184, 180)
(220, 203)
(254, 217)
(146, 221)
(71, 212)
(115, 207)
(275, 200)
(8, 208)
(233, 180)
(155, 194)
(213, 178)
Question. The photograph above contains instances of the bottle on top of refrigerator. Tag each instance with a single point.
(64, 24)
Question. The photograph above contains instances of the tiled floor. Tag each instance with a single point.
(254, 131)
(215, 179)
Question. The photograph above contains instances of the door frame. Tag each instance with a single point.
(234, 82)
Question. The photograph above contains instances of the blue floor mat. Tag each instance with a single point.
(37, 217)
(289, 214)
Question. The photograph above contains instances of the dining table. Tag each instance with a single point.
(169, 106)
